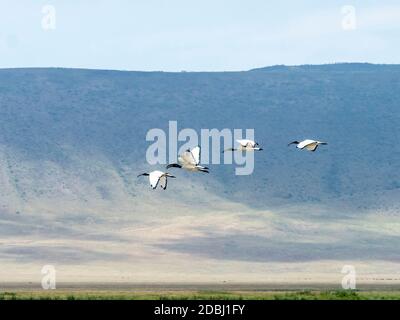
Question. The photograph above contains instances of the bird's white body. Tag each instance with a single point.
(190, 160)
(246, 145)
(155, 177)
(158, 177)
(308, 144)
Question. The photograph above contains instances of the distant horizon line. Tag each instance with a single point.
(275, 66)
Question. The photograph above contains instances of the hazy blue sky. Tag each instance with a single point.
(194, 35)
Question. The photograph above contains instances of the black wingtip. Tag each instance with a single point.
(173, 165)
(142, 174)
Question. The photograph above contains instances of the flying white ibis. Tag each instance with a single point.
(156, 177)
(310, 145)
(246, 145)
(189, 160)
